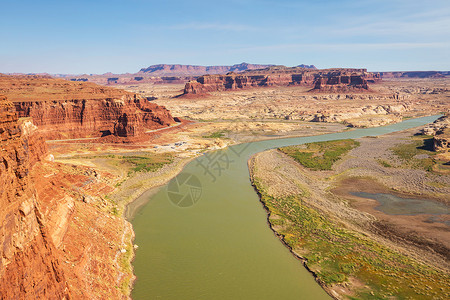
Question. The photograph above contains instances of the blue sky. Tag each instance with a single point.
(99, 36)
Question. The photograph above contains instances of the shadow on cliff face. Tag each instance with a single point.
(105, 132)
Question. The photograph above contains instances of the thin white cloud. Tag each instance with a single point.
(213, 26)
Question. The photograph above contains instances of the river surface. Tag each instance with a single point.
(205, 234)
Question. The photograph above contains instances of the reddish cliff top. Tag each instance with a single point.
(39, 88)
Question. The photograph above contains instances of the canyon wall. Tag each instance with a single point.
(29, 266)
(63, 109)
(330, 80)
(58, 237)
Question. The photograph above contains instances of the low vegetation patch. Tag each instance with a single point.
(320, 155)
(384, 163)
(147, 163)
(337, 254)
(125, 264)
(215, 135)
(417, 154)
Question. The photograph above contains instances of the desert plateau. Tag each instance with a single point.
(318, 169)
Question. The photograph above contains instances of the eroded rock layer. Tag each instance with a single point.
(63, 109)
(57, 237)
(329, 80)
(29, 267)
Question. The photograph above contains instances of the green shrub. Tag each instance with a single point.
(215, 135)
(320, 155)
(146, 163)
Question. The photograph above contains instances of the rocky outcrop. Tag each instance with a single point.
(330, 80)
(437, 126)
(63, 109)
(367, 116)
(342, 82)
(29, 267)
(440, 130)
(441, 141)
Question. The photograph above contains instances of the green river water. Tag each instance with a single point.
(205, 235)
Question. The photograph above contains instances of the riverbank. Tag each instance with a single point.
(126, 164)
(342, 244)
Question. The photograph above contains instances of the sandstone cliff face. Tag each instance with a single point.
(89, 239)
(29, 268)
(63, 109)
(57, 237)
(333, 80)
(128, 116)
(342, 82)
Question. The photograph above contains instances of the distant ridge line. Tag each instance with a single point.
(196, 70)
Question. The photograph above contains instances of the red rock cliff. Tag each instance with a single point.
(57, 239)
(29, 268)
(63, 109)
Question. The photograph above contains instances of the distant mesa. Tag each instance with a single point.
(307, 66)
(167, 74)
(192, 70)
(416, 74)
(327, 80)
